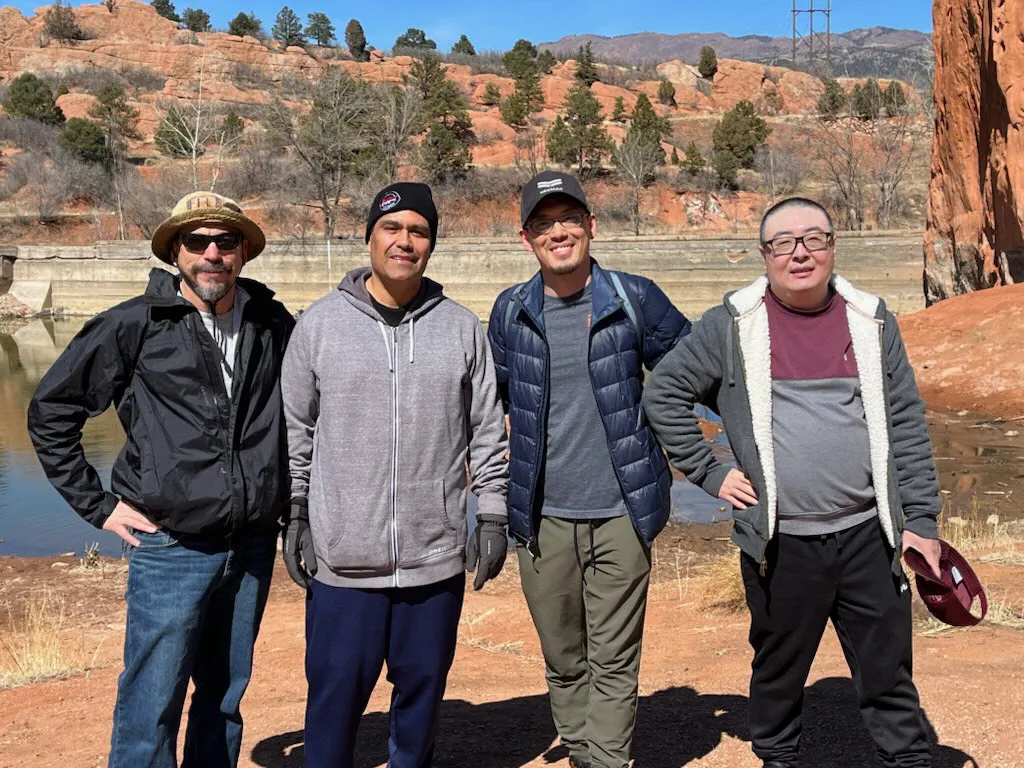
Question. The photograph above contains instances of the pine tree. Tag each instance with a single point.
(619, 111)
(694, 162)
(708, 64)
(231, 127)
(741, 132)
(868, 100)
(586, 70)
(546, 61)
(173, 133)
(726, 166)
(582, 118)
(245, 24)
(445, 151)
(288, 28)
(165, 8)
(196, 20)
(29, 96)
(355, 39)
(491, 95)
(646, 128)
(84, 139)
(832, 101)
(515, 110)
(895, 99)
(320, 28)
(463, 47)
(560, 143)
(674, 160)
(61, 24)
(414, 40)
(521, 65)
(667, 93)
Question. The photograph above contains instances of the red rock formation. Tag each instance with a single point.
(974, 235)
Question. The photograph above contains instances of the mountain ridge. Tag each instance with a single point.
(878, 51)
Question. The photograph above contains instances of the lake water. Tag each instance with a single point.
(35, 520)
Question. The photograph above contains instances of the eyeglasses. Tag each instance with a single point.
(786, 245)
(543, 226)
(226, 241)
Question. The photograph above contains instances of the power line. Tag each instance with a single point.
(812, 42)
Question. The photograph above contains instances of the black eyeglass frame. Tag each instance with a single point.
(830, 239)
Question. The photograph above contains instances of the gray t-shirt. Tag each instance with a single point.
(579, 480)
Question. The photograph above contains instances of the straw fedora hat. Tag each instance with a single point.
(206, 208)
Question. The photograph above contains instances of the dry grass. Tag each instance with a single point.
(38, 647)
(975, 530)
(1002, 612)
(722, 585)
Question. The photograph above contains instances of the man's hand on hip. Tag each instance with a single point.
(125, 519)
(737, 490)
(930, 549)
(487, 547)
(299, 557)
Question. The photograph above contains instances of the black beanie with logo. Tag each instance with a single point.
(404, 196)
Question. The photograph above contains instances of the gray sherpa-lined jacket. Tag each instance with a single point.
(382, 424)
(725, 363)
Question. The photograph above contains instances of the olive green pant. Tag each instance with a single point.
(587, 593)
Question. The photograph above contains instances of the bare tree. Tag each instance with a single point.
(190, 128)
(782, 169)
(531, 149)
(397, 117)
(636, 158)
(329, 139)
(895, 146)
(840, 152)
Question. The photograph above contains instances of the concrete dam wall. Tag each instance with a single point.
(694, 272)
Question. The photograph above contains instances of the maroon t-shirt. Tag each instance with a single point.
(822, 454)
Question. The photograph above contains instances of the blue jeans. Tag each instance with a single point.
(194, 609)
(350, 634)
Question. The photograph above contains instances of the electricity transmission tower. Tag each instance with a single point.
(817, 47)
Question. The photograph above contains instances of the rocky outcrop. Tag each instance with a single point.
(974, 235)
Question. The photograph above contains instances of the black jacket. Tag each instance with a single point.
(195, 460)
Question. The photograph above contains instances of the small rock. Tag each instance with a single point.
(992, 520)
(60, 565)
(959, 521)
(66, 554)
(1012, 433)
(961, 413)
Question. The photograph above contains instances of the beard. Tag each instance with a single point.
(214, 292)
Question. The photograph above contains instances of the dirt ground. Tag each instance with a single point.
(693, 679)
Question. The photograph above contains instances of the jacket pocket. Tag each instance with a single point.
(351, 528)
(428, 519)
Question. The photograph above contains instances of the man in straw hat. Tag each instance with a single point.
(193, 367)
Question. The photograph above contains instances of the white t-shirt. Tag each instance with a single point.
(224, 329)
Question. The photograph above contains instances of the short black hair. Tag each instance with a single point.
(794, 202)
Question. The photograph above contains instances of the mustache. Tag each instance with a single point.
(222, 267)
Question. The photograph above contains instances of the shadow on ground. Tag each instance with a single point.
(674, 727)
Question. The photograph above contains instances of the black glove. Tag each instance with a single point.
(487, 545)
(299, 558)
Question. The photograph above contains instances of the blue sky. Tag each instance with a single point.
(497, 25)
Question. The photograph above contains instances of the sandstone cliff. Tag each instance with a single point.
(974, 237)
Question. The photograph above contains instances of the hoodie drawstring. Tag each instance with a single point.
(730, 366)
(412, 338)
(387, 347)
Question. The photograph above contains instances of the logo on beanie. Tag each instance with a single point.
(389, 201)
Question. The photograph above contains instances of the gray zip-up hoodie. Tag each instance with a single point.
(726, 363)
(382, 424)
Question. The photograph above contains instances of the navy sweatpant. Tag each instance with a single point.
(350, 633)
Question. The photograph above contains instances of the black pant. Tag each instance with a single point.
(350, 633)
(845, 576)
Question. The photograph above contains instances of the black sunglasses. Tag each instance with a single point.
(226, 241)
